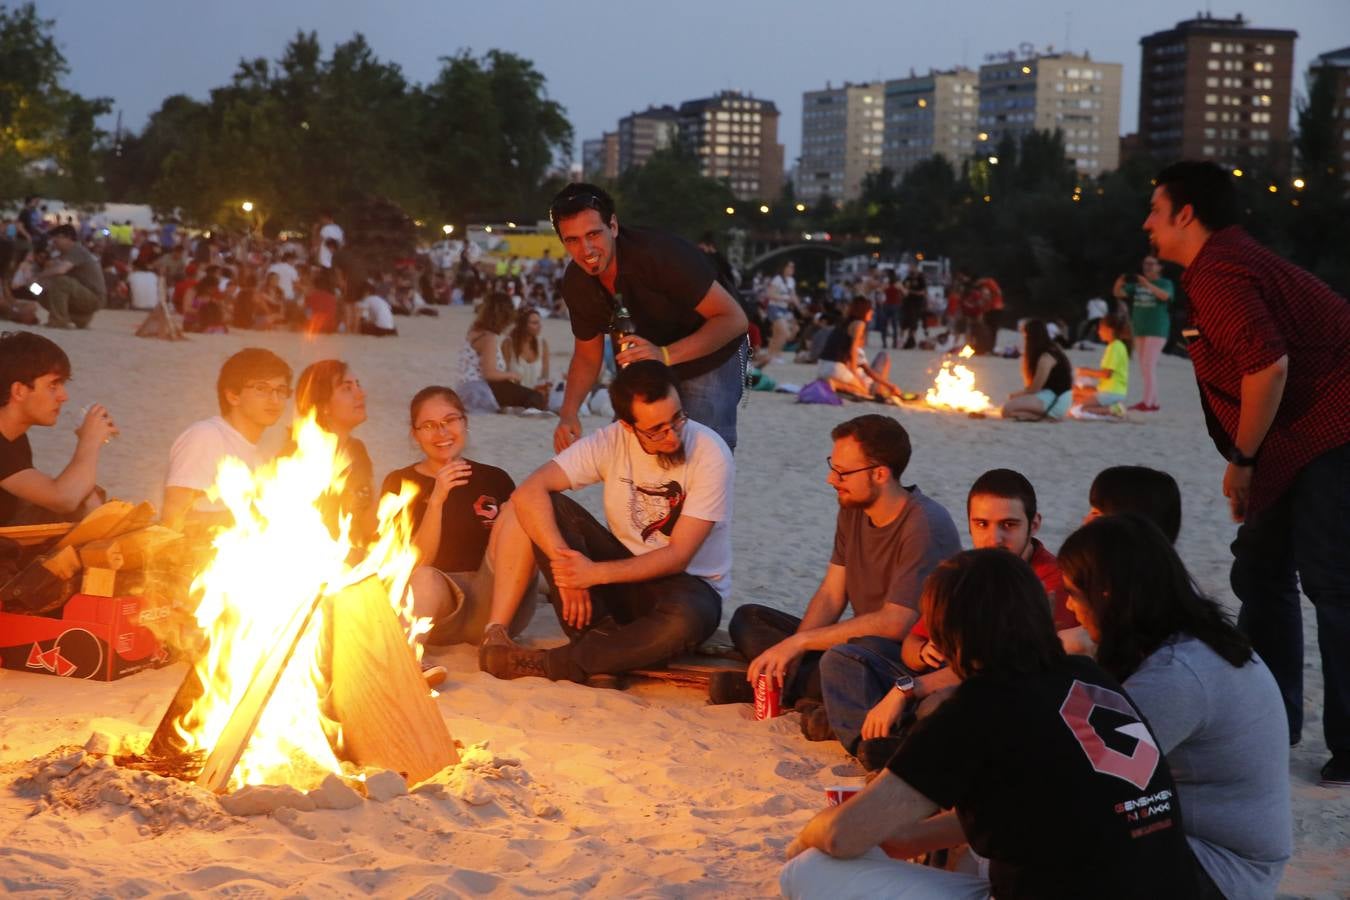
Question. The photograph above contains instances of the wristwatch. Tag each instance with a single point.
(1236, 458)
(905, 684)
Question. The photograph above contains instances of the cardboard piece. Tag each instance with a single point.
(97, 638)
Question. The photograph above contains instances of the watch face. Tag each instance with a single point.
(904, 683)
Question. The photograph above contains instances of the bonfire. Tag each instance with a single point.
(954, 387)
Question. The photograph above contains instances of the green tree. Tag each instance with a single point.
(47, 132)
(669, 192)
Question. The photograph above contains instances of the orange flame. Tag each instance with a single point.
(277, 558)
(954, 387)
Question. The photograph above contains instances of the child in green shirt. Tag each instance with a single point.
(1107, 396)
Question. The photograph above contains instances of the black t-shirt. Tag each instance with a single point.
(839, 344)
(15, 456)
(1058, 781)
(1060, 379)
(662, 278)
(916, 285)
(466, 516)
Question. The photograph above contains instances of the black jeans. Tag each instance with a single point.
(756, 628)
(1304, 538)
(633, 626)
(509, 393)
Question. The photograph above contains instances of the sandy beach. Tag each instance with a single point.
(643, 793)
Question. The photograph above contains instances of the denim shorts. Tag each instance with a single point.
(775, 313)
(1055, 405)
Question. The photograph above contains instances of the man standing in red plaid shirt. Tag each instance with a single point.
(1272, 357)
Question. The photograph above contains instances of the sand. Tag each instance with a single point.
(648, 792)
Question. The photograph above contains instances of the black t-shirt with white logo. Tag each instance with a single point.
(662, 278)
(467, 516)
(15, 457)
(1058, 781)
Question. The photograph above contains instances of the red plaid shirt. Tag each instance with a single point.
(1251, 307)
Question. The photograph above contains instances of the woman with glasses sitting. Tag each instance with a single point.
(453, 513)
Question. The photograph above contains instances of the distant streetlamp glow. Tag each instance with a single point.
(983, 135)
(993, 160)
(731, 210)
(763, 208)
(1273, 189)
(801, 207)
(1237, 173)
(247, 206)
(447, 229)
(1299, 184)
(510, 224)
(1026, 70)
(487, 229)
(922, 103)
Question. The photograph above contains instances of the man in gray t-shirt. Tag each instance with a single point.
(73, 288)
(888, 537)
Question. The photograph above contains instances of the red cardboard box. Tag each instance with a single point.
(98, 638)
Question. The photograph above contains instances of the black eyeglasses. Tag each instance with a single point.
(660, 431)
(844, 473)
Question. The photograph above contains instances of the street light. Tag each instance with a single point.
(801, 207)
(731, 210)
(247, 206)
(1237, 173)
(983, 135)
(763, 208)
(993, 160)
(1299, 184)
(447, 229)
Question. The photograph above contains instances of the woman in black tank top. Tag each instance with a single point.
(1047, 375)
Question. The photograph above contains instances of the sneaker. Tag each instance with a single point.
(434, 675)
(816, 724)
(1336, 773)
(728, 686)
(1118, 410)
(874, 753)
(512, 661)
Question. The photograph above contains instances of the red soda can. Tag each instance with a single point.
(839, 793)
(768, 698)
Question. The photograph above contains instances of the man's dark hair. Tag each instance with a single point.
(988, 613)
(248, 365)
(65, 231)
(646, 380)
(1139, 489)
(578, 197)
(25, 357)
(1140, 594)
(1007, 484)
(1204, 186)
(30, 198)
(883, 440)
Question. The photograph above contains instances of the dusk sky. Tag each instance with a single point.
(603, 61)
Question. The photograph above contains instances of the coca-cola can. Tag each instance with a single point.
(839, 793)
(768, 698)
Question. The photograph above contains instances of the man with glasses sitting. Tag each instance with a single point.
(887, 538)
(682, 315)
(252, 389)
(651, 585)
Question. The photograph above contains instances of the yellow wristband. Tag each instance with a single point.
(665, 354)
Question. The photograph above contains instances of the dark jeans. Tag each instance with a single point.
(756, 628)
(890, 324)
(509, 393)
(1304, 537)
(854, 677)
(633, 626)
(711, 398)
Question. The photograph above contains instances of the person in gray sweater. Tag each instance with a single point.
(1209, 699)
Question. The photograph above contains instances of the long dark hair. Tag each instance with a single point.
(495, 313)
(1140, 594)
(987, 612)
(314, 389)
(520, 333)
(1038, 341)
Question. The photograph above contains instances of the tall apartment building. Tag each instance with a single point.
(600, 157)
(1337, 62)
(734, 136)
(842, 130)
(1075, 94)
(1216, 89)
(643, 133)
(930, 115)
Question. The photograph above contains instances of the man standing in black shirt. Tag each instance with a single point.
(33, 372)
(684, 318)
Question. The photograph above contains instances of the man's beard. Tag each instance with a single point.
(671, 460)
(855, 502)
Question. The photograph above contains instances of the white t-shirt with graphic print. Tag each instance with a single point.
(643, 500)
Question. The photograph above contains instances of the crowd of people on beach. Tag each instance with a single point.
(1037, 724)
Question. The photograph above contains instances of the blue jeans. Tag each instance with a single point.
(853, 679)
(755, 628)
(889, 317)
(633, 626)
(711, 398)
(1303, 539)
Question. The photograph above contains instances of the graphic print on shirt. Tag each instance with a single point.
(654, 508)
(1111, 734)
(486, 508)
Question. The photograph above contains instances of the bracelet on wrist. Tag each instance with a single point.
(665, 355)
